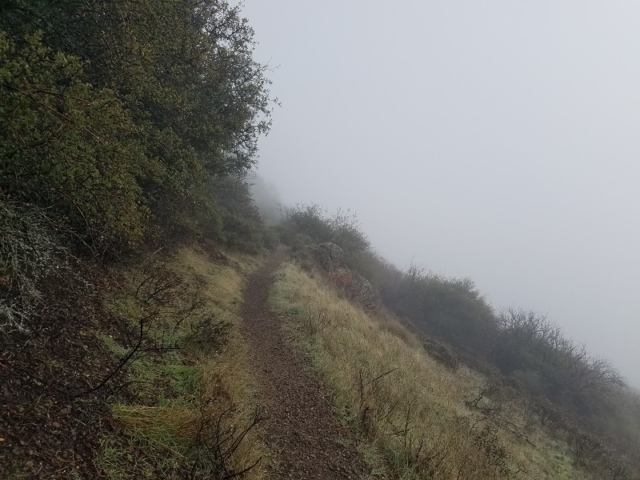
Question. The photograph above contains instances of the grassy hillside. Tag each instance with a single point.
(417, 418)
(582, 398)
(127, 131)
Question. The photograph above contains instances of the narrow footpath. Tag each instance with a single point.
(303, 429)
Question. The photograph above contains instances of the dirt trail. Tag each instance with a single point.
(303, 431)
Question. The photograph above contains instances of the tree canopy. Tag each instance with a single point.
(117, 116)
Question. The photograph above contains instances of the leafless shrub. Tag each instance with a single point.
(586, 449)
(30, 253)
(431, 457)
(169, 315)
(372, 407)
(208, 439)
(216, 441)
(317, 321)
(492, 401)
(207, 334)
(177, 309)
(563, 370)
(157, 284)
(488, 442)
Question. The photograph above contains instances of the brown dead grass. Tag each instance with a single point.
(409, 409)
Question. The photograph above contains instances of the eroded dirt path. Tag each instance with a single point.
(303, 430)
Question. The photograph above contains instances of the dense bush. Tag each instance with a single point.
(535, 349)
(312, 221)
(68, 146)
(241, 225)
(449, 308)
(115, 115)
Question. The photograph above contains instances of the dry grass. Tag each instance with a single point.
(409, 409)
(211, 416)
(223, 282)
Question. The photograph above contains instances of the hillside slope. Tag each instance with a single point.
(146, 378)
(175, 368)
(417, 417)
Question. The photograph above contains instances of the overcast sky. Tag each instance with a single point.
(497, 140)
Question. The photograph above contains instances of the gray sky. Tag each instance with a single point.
(497, 140)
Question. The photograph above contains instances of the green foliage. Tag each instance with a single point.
(67, 145)
(185, 66)
(348, 233)
(270, 238)
(242, 226)
(342, 228)
(310, 220)
(300, 240)
(116, 114)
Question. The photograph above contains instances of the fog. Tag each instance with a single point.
(495, 140)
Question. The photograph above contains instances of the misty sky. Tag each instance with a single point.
(497, 140)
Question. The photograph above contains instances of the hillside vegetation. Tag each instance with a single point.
(581, 398)
(128, 133)
(127, 130)
(414, 413)
(121, 122)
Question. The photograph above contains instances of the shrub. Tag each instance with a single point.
(68, 146)
(342, 228)
(300, 240)
(270, 238)
(448, 308)
(441, 353)
(117, 126)
(29, 254)
(242, 227)
(564, 371)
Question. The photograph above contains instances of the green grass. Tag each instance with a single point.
(183, 398)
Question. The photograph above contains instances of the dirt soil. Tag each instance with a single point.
(303, 430)
(50, 419)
